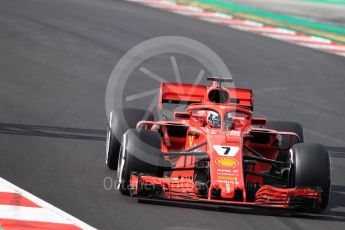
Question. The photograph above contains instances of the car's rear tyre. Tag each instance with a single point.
(140, 152)
(311, 168)
(119, 122)
(286, 126)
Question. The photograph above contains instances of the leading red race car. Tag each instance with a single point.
(216, 152)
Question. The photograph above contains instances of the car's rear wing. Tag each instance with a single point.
(189, 94)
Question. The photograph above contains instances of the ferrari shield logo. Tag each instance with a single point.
(191, 139)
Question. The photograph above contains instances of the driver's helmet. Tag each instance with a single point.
(213, 119)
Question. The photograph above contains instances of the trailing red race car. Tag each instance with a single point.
(216, 152)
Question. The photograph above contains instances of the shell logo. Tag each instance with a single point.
(226, 162)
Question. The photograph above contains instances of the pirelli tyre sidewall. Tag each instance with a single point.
(311, 168)
(120, 121)
(136, 156)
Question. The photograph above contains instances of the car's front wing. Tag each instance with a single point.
(186, 191)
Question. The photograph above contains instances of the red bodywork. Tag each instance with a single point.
(219, 164)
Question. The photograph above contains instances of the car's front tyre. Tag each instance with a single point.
(311, 168)
(140, 152)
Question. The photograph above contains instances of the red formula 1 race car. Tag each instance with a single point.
(216, 152)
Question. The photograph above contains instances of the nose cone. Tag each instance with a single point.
(226, 167)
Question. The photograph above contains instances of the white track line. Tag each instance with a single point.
(296, 38)
(266, 30)
(326, 47)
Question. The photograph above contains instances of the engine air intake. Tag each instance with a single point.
(218, 96)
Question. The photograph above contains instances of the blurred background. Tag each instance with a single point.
(323, 11)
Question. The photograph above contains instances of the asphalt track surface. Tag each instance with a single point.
(55, 60)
